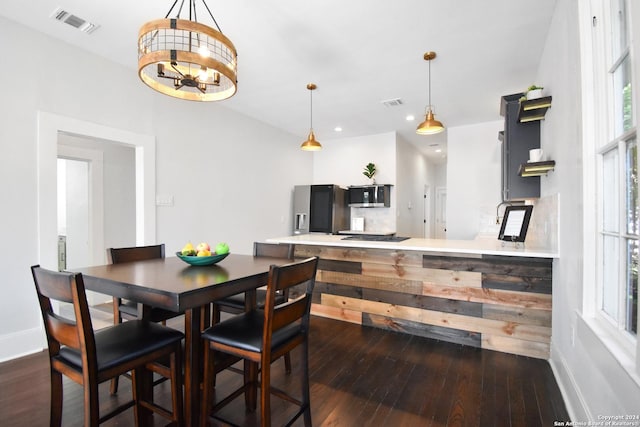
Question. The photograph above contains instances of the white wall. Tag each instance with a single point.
(119, 196)
(593, 382)
(342, 162)
(440, 174)
(231, 179)
(473, 178)
(226, 185)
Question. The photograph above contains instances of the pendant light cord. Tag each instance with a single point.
(211, 15)
(192, 9)
(430, 84)
(174, 5)
(311, 109)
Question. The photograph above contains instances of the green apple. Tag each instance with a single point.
(222, 248)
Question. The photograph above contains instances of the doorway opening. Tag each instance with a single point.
(96, 198)
(50, 126)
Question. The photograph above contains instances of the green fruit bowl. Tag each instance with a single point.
(201, 260)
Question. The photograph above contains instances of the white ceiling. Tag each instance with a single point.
(358, 52)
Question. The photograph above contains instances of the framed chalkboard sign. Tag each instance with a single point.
(515, 223)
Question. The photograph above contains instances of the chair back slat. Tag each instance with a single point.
(69, 288)
(273, 250)
(63, 330)
(294, 274)
(282, 278)
(136, 253)
(53, 286)
(289, 312)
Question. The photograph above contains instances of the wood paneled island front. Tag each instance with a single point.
(478, 293)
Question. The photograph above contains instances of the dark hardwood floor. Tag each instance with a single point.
(360, 376)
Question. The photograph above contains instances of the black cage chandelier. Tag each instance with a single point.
(186, 59)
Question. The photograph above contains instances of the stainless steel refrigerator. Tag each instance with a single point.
(320, 209)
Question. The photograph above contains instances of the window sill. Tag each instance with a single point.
(621, 350)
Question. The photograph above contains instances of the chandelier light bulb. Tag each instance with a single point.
(203, 74)
(203, 51)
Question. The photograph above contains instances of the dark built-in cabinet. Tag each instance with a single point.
(517, 139)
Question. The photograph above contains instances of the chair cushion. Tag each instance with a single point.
(124, 342)
(157, 314)
(237, 301)
(245, 331)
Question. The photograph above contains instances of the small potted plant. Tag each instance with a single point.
(370, 171)
(534, 92)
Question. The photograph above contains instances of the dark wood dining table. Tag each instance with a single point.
(172, 284)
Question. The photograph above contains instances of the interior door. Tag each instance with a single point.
(441, 213)
(426, 213)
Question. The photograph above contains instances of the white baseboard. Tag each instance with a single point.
(22, 343)
(573, 399)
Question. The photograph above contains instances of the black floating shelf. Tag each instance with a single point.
(533, 109)
(536, 168)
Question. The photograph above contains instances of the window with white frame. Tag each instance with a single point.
(617, 155)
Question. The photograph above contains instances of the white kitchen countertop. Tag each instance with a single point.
(478, 246)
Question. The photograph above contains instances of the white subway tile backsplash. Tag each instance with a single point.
(377, 219)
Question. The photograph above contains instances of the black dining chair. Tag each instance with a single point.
(260, 336)
(124, 309)
(128, 310)
(90, 358)
(236, 304)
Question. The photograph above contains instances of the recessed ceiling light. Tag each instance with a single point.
(337, 129)
(438, 151)
(410, 118)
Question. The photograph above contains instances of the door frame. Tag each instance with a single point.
(49, 126)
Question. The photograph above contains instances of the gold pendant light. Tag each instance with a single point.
(430, 125)
(186, 59)
(311, 144)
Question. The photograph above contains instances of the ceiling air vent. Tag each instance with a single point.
(76, 22)
(396, 102)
